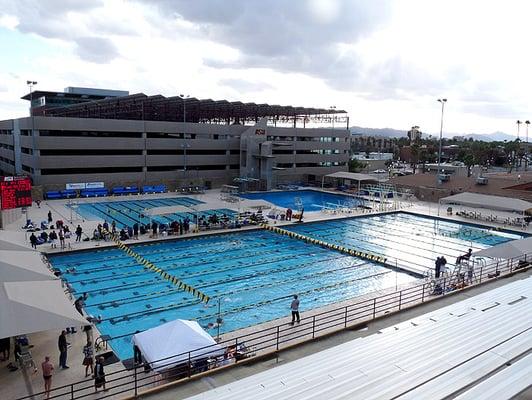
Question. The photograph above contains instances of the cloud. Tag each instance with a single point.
(287, 36)
(96, 49)
(245, 85)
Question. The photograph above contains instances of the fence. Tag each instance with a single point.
(131, 382)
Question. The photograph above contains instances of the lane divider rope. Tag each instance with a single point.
(345, 250)
(149, 265)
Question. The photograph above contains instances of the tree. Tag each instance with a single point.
(356, 166)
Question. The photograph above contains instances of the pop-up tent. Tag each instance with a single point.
(167, 345)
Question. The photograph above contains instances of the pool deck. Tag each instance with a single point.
(17, 384)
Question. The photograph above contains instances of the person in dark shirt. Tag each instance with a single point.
(33, 240)
(79, 231)
(63, 346)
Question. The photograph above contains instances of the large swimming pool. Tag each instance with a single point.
(407, 240)
(128, 212)
(312, 200)
(253, 274)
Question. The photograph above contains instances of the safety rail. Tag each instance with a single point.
(129, 381)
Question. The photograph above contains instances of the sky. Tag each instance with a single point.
(385, 62)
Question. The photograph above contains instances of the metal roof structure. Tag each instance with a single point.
(159, 108)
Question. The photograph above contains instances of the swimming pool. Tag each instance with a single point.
(407, 240)
(252, 274)
(127, 213)
(312, 200)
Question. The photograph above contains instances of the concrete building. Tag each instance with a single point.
(66, 147)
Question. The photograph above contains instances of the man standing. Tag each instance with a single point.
(33, 240)
(63, 345)
(295, 310)
(50, 219)
(79, 231)
(47, 370)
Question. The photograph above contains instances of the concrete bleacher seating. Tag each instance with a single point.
(444, 353)
(154, 189)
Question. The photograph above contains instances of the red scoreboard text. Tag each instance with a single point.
(15, 191)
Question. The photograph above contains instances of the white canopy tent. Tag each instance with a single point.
(490, 202)
(17, 266)
(350, 176)
(27, 307)
(167, 345)
(514, 249)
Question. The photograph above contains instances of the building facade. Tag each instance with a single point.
(55, 151)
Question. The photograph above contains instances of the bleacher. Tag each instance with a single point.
(102, 192)
(96, 192)
(125, 190)
(154, 189)
(465, 349)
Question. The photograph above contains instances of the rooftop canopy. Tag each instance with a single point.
(176, 108)
(498, 203)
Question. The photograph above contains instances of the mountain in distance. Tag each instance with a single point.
(396, 133)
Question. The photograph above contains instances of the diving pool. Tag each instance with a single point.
(128, 212)
(253, 274)
(312, 200)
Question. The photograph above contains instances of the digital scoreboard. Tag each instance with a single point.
(15, 192)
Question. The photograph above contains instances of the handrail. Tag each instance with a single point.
(281, 336)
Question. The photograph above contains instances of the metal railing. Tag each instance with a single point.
(130, 381)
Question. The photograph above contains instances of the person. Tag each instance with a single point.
(33, 240)
(301, 214)
(50, 219)
(5, 348)
(62, 238)
(113, 226)
(289, 214)
(44, 236)
(106, 226)
(137, 355)
(79, 231)
(154, 227)
(467, 255)
(80, 302)
(88, 358)
(53, 239)
(47, 370)
(136, 230)
(437, 269)
(38, 203)
(99, 374)
(63, 346)
(294, 307)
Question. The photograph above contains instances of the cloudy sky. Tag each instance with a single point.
(386, 62)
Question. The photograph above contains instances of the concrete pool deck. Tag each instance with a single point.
(17, 384)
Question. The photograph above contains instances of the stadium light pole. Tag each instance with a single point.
(184, 97)
(442, 101)
(527, 122)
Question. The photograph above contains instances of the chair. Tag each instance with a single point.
(25, 359)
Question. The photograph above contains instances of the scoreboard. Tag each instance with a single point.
(15, 191)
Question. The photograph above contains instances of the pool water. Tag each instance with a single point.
(252, 275)
(312, 200)
(127, 213)
(406, 240)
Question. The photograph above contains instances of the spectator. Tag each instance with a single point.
(79, 231)
(50, 219)
(63, 346)
(99, 375)
(88, 358)
(33, 240)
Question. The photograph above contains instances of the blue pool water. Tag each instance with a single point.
(127, 213)
(253, 274)
(406, 239)
(313, 200)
